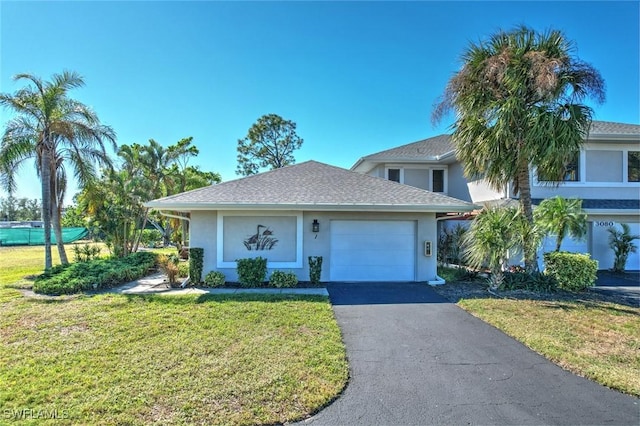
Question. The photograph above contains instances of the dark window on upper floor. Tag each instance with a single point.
(437, 180)
(394, 175)
(633, 167)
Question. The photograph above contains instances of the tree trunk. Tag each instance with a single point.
(524, 186)
(56, 209)
(139, 233)
(57, 229)
(45, 176)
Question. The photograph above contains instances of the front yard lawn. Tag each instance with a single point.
(118, 359)
(583, 332)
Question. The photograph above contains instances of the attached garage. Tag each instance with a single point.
(371, 250)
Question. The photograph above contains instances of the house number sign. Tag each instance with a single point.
(606, 223)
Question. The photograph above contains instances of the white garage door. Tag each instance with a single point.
(372, 250)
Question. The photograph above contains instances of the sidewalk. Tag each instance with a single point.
(156, 284)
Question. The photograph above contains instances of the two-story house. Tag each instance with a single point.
(605, 175)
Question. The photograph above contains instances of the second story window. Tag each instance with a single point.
(633, 167)
(571, 172)
(394, 175)
(437, 180)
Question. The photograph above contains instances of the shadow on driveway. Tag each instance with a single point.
(381, 294)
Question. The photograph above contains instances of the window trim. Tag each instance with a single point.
(445, 189)
(625, 166)
(401, 173)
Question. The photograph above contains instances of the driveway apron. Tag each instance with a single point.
(417, 359)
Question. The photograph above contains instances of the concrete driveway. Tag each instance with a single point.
(416, 359)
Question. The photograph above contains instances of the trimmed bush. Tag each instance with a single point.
(281, 279)
(214, 279)
(572, 271)
(95, 274)
(183, 269)
(315, 269)
(196, 258)
(252, 272)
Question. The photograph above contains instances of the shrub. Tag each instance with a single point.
(85, 253)
(183, 269)
(196, 258)
(150, 237)
(521, 280)
(315, 269)
(281, 279)
(94, 274)
(252, 272)
(571, 271)
(169, 265)
(214, 279)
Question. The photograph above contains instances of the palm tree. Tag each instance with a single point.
(46, 121)
(622, 244)
(562, 217)
(517, 103)
(490, 238)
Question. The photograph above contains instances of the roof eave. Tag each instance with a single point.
(184, 207)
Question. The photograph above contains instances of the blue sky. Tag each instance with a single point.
(356, 77)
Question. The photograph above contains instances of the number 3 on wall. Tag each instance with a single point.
(606, 223)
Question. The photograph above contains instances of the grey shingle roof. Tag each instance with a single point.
(438, 146)
(312, 185)
(425, 149)
(611, 128)
(604, 204)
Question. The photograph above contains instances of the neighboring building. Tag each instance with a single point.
(605, 174)
(364, 227)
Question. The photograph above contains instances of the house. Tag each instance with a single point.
(365, 228)
(605, 175)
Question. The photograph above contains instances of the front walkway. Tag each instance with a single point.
(156, 284)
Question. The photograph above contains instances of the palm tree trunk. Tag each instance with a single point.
(56, 204)
(524, 186)
(57, 229)
(139, 232)
(45, 177)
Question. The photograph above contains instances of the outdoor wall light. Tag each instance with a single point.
(315, 226)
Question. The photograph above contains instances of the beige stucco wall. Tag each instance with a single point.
(204, 233)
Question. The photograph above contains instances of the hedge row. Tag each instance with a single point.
(94, 275)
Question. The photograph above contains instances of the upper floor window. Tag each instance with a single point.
(571, 172)
(394, 175)
(633, 167)
(437, 180)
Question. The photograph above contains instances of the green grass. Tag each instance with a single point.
(117, 359)
(597, 340)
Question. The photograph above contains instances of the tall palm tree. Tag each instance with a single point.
(49, 127)
(562, 217)
(517, 103)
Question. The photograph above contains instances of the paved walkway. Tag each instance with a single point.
(416, 359)
(156, 284)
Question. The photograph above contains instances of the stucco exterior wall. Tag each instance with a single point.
(458, 183)
(204, 234)
(417, 177)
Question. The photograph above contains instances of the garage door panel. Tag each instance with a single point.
(372, 251)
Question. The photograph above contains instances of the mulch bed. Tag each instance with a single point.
(473, 289)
